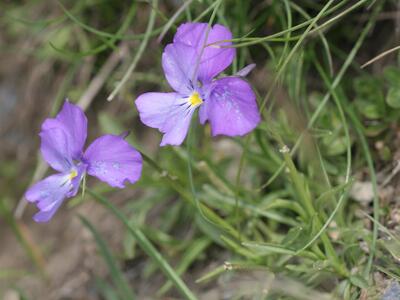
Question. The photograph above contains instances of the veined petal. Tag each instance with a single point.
(176, 129)
(48, 195)
(111, 159)
(55, 149)
(154, 108)
(178, 61)
(168, 112)
(232, 107)
(72, 120)
(214, 58)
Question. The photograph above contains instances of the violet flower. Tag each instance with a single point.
(109, 158)
(228, 103)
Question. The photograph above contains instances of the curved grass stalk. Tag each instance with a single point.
(276, 80)
(147, 247)
(363, 143)
(275, 36)
(383, 54)
(171, 21)
(254, 41)
(104, 34)
(321, 35)
(348, 157)
(107, 43)
(117, 276)
(325, 100)
(139, 52)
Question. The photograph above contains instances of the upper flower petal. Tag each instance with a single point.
(168, 112)
(48, 195)
(178, 61)
(72, 120)
(214, 58)
(232, 107)
(111, 159)
(55, 149)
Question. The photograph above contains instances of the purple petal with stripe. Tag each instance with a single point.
(111, 159)
(48, 194)
(168, 112)
(72, 120)
(55, 149)
(232, 107)
(178, 61)
(214, 58)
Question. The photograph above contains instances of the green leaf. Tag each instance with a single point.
(392, 75)
(393, 97)
(359, 281)
(370, 110)
(374, 129)
(391, 245)
(192, 253)
(266, 249)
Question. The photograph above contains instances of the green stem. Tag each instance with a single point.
(210, 214)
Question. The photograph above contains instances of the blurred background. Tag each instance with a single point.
(308, 57)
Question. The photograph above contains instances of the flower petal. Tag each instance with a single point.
(154, 108)
(111, 159)
(215, 58)
(72, 120)
(245, 71)
(55, 149)
(232, 107)
(178, 62)
(177, 127)
(48, 195)
(78, 172)
(168, 112)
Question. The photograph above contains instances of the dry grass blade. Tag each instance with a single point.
(383, 54)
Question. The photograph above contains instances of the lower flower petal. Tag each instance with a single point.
(168, 112)
(48, 194)
(111, 159)
(45, 216)
(232, 107)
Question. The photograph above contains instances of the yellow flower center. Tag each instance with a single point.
(73, 174)
(195, 99)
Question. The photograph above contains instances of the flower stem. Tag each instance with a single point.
(210, 215)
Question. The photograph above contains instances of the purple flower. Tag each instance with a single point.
(109, 158)
(229, 103)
